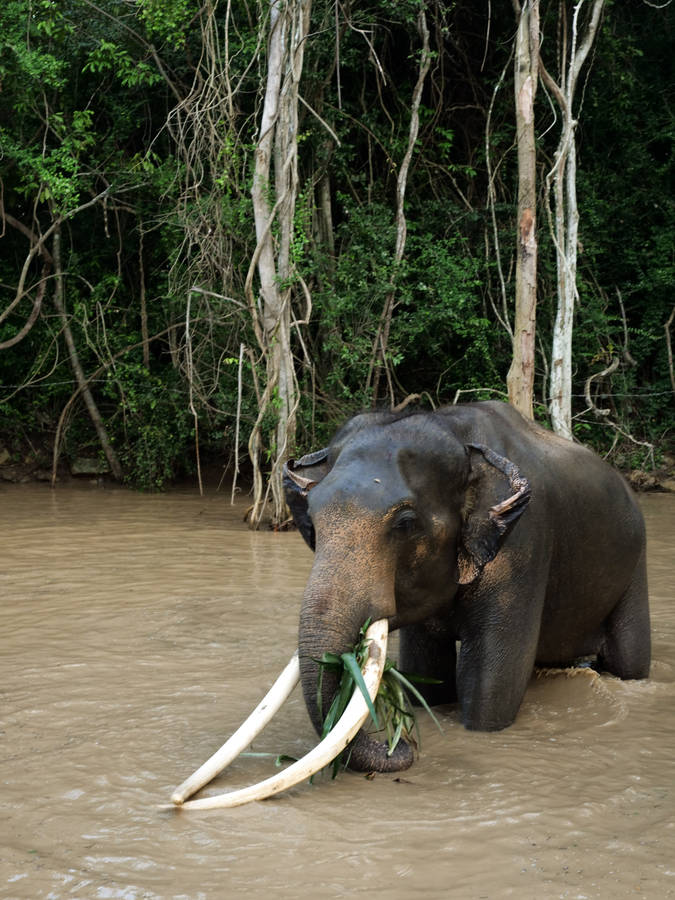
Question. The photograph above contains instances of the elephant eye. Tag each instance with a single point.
(405, 521)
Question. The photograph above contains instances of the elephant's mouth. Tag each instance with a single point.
(324, 753)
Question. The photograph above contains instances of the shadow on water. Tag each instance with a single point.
(138, 631)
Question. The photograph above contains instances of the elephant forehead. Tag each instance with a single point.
(355, 491)
(379, 469)
(417, 444)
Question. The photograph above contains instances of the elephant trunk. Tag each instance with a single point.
(330, 620)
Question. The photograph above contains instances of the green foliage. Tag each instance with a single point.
(167, 19)
(153, 426)
(111, 57)
(440, 336)
(25, 63)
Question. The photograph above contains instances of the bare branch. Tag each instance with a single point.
(552, 85)
(364, 35)
(669, 347)
(591, 405)
(35, 312)
(384, 326)
(37, 245)
(626, 352)
(318, 117)
(578, 58)
(199, 290)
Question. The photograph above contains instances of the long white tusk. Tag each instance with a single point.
(244, 735)
(325, 752)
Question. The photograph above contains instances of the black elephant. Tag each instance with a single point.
(468, 524)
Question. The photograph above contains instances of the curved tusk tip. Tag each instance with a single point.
(166, 807)
(177, 799)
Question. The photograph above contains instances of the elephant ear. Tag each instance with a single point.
(495, 499)
(299, 477)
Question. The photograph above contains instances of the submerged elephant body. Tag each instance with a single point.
(469, 524)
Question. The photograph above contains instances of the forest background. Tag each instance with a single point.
(191, 274)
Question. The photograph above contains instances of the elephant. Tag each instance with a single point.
(490, 543)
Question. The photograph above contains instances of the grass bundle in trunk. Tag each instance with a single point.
(392, 712)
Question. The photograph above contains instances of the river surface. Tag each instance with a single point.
(139, 631)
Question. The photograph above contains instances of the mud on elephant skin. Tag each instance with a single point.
(468, 524)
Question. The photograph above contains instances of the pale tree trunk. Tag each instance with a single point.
(272, 318)
(520, 378)
(564, 221)
(565, 227)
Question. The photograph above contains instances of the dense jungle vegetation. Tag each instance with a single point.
(130, 306)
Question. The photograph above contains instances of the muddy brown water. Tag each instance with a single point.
(138, 631)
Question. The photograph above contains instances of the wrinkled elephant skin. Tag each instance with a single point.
(469, 524)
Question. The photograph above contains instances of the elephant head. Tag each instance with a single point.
(400, 514)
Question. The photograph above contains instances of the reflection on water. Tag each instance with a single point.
(138, 631)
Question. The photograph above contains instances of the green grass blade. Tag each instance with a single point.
(393, 741)
(283, 758)
(413, 690)
(329, 661)
(331, 716)
(352, 666)
(399, 701)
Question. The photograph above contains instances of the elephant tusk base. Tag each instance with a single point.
(244, 735)
(325, 752)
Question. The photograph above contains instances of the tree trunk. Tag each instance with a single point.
(520, 378)
(566, 219)
(278, 137)
(564, 223)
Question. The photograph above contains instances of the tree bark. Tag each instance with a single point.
(289, 24)
(564, 224)
(520, 378)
